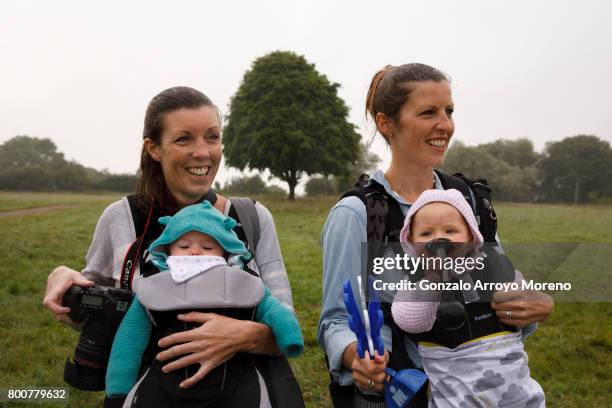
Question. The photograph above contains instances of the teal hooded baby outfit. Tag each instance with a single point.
(221, 286)
(202, 218)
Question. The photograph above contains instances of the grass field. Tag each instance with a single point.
(23, 200)
(569, 355)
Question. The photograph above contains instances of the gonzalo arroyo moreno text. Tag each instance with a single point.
(458, 265)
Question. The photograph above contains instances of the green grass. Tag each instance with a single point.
(10, 200)
(569, 355)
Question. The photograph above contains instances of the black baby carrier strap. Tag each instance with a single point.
(478, 194)
(385, 220)
(243, 210)
(281, 384)
(480, 319)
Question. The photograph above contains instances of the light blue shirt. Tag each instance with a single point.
(342, 238)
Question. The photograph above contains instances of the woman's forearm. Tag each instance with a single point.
(350, 353)
(259, 339)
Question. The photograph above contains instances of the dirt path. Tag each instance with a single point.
(37, 210)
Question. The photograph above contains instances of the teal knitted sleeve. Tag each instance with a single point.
(128, 348)
(283, 323)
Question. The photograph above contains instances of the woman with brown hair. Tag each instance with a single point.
(412, 108)
(180, 158)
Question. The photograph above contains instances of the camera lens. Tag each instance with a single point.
(104, 310)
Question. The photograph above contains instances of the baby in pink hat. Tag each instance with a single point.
(469, 356)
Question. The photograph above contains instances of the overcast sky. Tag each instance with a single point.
(82, 72)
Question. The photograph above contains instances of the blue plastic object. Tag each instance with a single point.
(357, 325)
(375, 315)
(354, 319)
(402, 386)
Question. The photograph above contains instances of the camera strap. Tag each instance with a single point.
(135, 250)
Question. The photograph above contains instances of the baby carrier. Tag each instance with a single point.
(470, 318)
(281, 385)
(385, 220)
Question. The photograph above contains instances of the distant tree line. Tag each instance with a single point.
(248, 186)
(33, 164)
(287, 118)
(577, 169)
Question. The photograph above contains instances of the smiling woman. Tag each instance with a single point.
(412, 108)
(180, 158)
(181, 149)
(189, 151)
(413, 111)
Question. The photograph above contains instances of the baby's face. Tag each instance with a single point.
(439, 220)
(195, 243)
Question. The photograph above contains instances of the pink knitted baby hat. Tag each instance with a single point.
(452, 197)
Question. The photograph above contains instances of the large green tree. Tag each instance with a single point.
(288, 118)
(576, 168)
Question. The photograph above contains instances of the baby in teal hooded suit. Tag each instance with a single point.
(199, 258)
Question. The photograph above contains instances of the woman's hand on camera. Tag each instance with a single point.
(520, 308)
(58, 283)
(213, 343)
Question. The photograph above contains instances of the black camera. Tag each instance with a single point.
(102, 309)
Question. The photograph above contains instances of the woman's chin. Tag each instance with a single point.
(199, 184)
(436, 161)
(194, 195)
